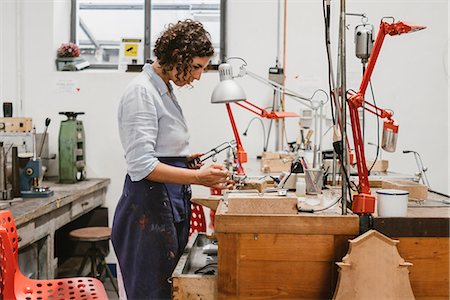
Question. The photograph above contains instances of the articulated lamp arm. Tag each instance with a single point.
(364, 202)
(276, 86)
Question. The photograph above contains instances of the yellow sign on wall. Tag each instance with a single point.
(131, 50)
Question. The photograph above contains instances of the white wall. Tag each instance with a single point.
(411, 77)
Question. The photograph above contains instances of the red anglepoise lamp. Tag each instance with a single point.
(228, 91)
(364, 202)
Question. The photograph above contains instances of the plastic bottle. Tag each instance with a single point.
(300, 186)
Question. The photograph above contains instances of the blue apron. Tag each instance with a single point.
(150, 231)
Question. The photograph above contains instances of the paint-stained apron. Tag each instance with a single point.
(150, 231)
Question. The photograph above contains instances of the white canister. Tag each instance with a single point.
(392, 203)
(300, 186)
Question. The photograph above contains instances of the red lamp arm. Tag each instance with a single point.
(264, 113)
(364, 202)
(241, 156)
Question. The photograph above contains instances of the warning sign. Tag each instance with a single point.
(131, 52)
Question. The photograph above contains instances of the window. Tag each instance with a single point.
(98, 26)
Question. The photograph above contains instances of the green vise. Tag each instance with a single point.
(71, 149)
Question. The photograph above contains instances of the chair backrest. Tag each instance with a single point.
(8, 266)
(197, 221)
(7, 222)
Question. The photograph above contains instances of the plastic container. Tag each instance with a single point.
(392, 203)
(314, 181)
(300, 186)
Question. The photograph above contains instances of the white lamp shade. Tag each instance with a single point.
(228, 91)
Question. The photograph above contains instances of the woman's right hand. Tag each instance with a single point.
(215, 176)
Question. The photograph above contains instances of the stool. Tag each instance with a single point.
(95, 254)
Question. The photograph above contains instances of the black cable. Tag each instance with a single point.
(326, 17)
(438, 193)
(378, 129)
(268, 133)
(199, 271)
(289, 175)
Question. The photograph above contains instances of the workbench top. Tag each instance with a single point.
(26, 209)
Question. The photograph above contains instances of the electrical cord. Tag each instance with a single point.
(208, 272)
(320, 209)
(263, 127)
(378, 129)
(326, 14)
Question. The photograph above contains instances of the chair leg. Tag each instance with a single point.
(93, 255)
(83, 263)
(109, 274)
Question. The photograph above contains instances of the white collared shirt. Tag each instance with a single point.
(151, 124)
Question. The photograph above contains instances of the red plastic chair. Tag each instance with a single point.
(197, 222)
(14, 285)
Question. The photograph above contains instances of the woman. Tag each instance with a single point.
(151, 222)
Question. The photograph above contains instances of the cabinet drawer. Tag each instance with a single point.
(195, 276)
(86, 204)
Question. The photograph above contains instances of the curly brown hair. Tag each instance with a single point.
(180, 43)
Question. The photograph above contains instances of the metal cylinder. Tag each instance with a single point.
(389, 137)
(363, 41)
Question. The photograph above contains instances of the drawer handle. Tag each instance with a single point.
(85, 203)
(19, 239)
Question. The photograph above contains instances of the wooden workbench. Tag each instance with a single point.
(276, 256)
(37, 219)
(281, 255)
(424, 242)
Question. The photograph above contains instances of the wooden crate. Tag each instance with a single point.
(273, 162)
(280, 255)
(417, 191)
(186, 285)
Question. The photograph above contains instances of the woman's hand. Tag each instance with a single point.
(194, 161)
(215, 176)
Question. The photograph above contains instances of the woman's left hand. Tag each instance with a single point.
(194, 161)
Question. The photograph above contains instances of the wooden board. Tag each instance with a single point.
(373, 269)
(273, 162)
(275, 165)
(429, 274)
(265, 204)
(186, 285)
(255, 184)
(380, 165)
(190, 287)
(417, 191)
(208, 201)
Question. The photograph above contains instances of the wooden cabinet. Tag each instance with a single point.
(279, 255)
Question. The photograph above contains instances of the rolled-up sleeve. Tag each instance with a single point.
(138, 128)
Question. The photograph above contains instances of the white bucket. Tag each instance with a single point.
(392, 203)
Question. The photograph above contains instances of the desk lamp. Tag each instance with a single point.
(228, 91)
(364, 202)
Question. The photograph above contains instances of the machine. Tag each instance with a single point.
(71, 149)
(30, 170)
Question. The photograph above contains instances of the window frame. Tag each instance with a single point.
(147, 33)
